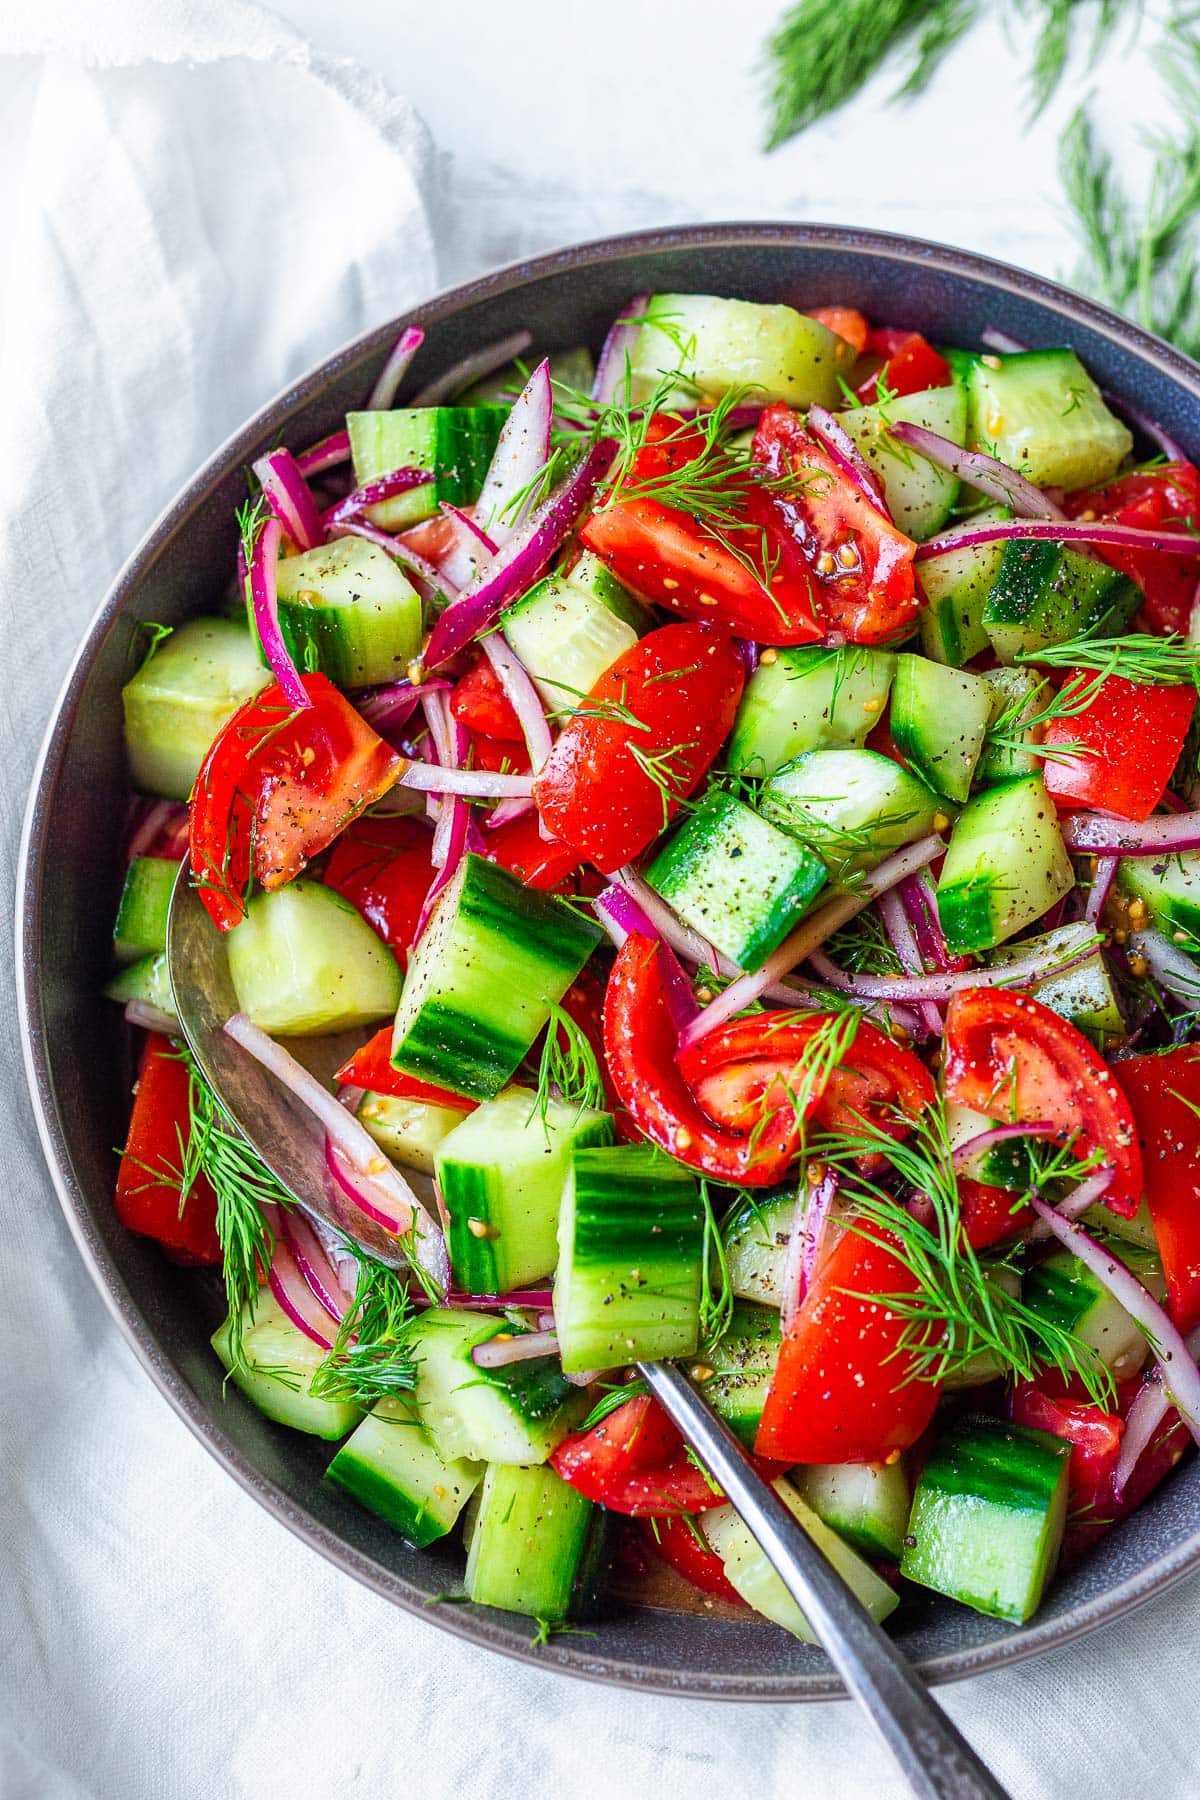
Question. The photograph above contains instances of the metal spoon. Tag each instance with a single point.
(936, 1760)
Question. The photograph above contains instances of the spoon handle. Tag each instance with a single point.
(935, 1758)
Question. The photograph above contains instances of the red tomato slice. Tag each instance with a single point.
(499, 755)
(148, 1181)
(1164, 1094)
(1093, 1434)
(384, 868)
(542, 863)
(845, 1389)
(371, 1068)
(861, 564)
(677, 1543)
(1131, 738)
(736, 577)
(1150, 499)
(846, 321)
(481, 704)
(910, 364)
(653, 724)
(285, 782)
(990, 1214)
(1011, 1058)
(636, 1462)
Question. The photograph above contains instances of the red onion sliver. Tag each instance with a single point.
(804, 1245)
(621, 914)
(1106, 868)
(522, 451)
(477, 784)
(1142, 1421)
(383, 394)
(1149, 428)
(1090, 1192)
(286, 493)
(981, 471)
(383, 487)
(143, 1015)
(910, 989)
(497, 1353)
(665, 923)
(159, 817)
(329, 453)
(618, 347)
(1097, 835)
(312, 1260)
(506, 811)
(471, 550)
(296, 1297)
(1060, 531)
(904, 943)
(264, 601)
(1000, 1134)
(835, 439)
(358, 1188)
(473, 368)
(522, 696)
(920, 903)
(1000, 340)
(1170, 965)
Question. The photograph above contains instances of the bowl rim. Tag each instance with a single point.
(561, 1656)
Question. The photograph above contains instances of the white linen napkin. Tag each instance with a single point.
(210, 205)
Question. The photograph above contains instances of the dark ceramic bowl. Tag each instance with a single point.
(70, 882)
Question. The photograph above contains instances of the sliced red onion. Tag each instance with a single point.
(522, 696)
(810, 934)
(1000, 340)
(286, 493)
(329, 453)
(912, 989)
(847, 455)
(748, 651)
(1171, 967)
(621, 914)
(1060, 531)
(433, 581)
(523, 449)
(1147, 1413)
(159, 817)
(1106, 868)
(383, 487)
(1101, 836)
(1179, 1372)
(477, 784)
(665, 923)
(473, 368)
(1089, 1193)
(390, 708)
(358, 1187)
(383, 394)
(920, 903)
(1000, 1134)
(805, 1240)
(297, 1299)
(1149, 428)
(362, 1153)
(904, 943)
(518, 563)
(617, 351)
(312, 1261)
(147, 1017)
(506, 811)
(264, 599)
(471, 550)
(539, 1299)
(497, 1353)
(980, 471)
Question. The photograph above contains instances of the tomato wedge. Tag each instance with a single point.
(1130, 737)
(384, 867)
(909, 365)
(276, 787)
(678, 1542)
(542, 863)
(1093, 1434)
(372, 1068)
(651, 726)
(861, 564)
(845, 1388)
(148, 1182)
(846, 321)
(481, 704)
(636, 1462)
(1014, 1060)
(1149, 499)
(1164, 1094)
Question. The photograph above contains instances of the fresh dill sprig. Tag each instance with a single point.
(1059, 19)
(147, 636)
(612, 1398)
(1141, 657)
(716, 1294)
(670, 775)
(568, 1069)
(370, 1358)
(864, 947)
(251, 516)
(1014, 727)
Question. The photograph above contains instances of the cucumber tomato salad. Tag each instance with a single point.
(740, 797)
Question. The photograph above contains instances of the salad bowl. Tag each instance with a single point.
(74, 1041)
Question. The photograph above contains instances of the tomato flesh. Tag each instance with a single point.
(676, 1542)
(372, 1068)
(542, 863)
(148, 1181)
(384, 867)
(846, 321)
(909, 364)
(1153, 500)
(636, 1462)
(1163, 1092)
(1130, 737)
(480, 703)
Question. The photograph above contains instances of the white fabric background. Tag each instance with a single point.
(201, 199)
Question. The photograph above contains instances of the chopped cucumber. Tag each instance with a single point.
(920, 495)
(1169, 888)
(514, 1414)
(1015, 701)
(736, 879)
(409, 1131)
(529, 1542)
(748, 1570)
(567, 636)
(305, 962)
(1063, 1291)
(148, 979)
(482, 979)
(743, 1363)
(593, 577)
(756, 1240)
(851, 806)
(501, 1175)
(808, 698)
(630, 1257)
(939, 719)
(348, 609)
(1040, 412)
(715, 345)
(454, 443)
(276, 1371)
(1044, 594)
(865, 1503)
(1084, 994)
(955, 584)
(987, 1517)
(1005, 867)
(390, 1466)
(1008, 1164)
(141, 927)
(184, 692)
(1139, 1230)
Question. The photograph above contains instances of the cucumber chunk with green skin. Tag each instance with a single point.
(513, 1414)
(454, 443)
(348, 609)
(409, 1131)
(1063, 1291)
(148, 979)
(939, 719)
(1044, 594)
(180, 698)
(141, 927)
(490, 963)
(1040, 412)
(852, 807)
(1017, 695)
(276, 1371)
(1008, 1164)
(566, 636)
(591, 576)
(743, 1363)
(501, 1174)
(305, 962)
(716, 345)
(390, 1466)
(867, 1504)
(755, 1580)
(808, 697)
(920, 495)
(630, 1259)
(955, 584)
(1169, 888)
(756, 1241)
(736, 879)
(987, 1517)
(1138, 1231)
(1005, 867)
(1083, 994)
(528, 1542)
